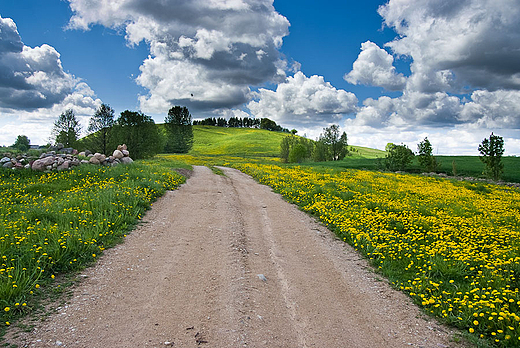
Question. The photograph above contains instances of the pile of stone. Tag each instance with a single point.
(120, 155)
(53, 161)
(16, 162)
(61, 158)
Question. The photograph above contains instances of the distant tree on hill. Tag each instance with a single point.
(66, 129)
(179, 131)
(22, 143)
(320, 153)
(425, 156)
(268, 124)
(331, 145)
(491, 151)
(398, 157)
(139, 132)
(221, 122)
(295, 149)
(100, 125)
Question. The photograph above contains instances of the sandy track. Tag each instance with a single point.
(190, 276)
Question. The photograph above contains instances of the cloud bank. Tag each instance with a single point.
(464, 72)
(203, 54)
(304, 101)
(34, 88)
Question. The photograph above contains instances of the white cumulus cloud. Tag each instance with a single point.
(34, 88)
(305, 101)
(467, 43)
(203, 54)
(374, 67)
(465, 76)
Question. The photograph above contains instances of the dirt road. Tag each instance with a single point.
(224, 262)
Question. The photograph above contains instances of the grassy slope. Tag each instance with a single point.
(243, 142)
(246, 142)
(249, 143)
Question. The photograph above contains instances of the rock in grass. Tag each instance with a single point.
(126, 160)
(118, 154)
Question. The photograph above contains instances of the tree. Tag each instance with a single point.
(101, 126)
(320, 152)
(295, 149)
(139, 132)
(268, 124)
(179, 131)
(285, 149)
(334, 144)
(398, 157)
(491, 151)
(22, 143)
(66, 129)
(426, 159)
(298, 153)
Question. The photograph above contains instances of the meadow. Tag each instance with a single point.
(55, 223)
(452, 246)
(464, 166)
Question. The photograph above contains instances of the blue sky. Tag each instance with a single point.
(385, 71)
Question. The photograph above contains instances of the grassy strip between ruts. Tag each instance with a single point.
(454, 247)
(55, 223)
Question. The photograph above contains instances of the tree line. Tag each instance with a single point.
(133, 128)
(139, 131)
(331, 146)
(246, 122)
(491, 150)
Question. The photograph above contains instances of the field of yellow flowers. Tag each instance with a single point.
(53, 223)
(454, 247)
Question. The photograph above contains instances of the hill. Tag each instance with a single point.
(249, 142)
(241, 142)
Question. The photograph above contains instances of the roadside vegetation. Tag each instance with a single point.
(452, 245)
(55, 223)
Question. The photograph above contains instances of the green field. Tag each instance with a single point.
(242, 142)
(466, 166)
(55, 223)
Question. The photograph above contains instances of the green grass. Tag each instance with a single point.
(360, 152)
(57, 223)
(472, 166)
(242, 142)
(466, 166)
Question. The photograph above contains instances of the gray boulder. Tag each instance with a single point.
(42, 163)
(67, 150)
(126, 160)
(64, 166)
(118, 154)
